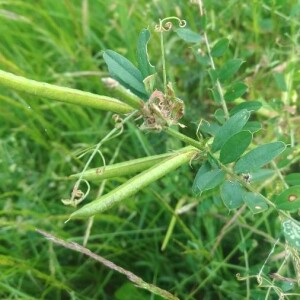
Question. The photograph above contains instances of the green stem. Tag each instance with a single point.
(184, 138)
(163, 57)
(218, 84)
(279, 174)
(123, 93)
(172, 225)
(63, 94)
(198, 145)
(246, 264)
(252, 189)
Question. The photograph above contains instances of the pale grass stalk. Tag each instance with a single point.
(138, 281)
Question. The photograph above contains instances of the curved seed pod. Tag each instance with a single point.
(136, 183)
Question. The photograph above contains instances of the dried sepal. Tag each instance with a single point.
(162, 110)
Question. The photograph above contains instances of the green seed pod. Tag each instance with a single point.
(63, 94)
(136, 183)
(123, 168)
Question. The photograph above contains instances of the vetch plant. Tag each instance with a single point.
(232, 162)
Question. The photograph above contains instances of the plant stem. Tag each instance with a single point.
(250, 188)
(123, 93)
(63, 94)
(163, 56)
(218, 84)
(172, 224)
(279, 174)
(246, 263)
(198, 145)
(184, 138)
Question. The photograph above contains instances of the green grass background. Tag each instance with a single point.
(60, 42)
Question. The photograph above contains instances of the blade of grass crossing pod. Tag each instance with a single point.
(207, 178)
(142, 54)
(232, 194)
(135, 184)
(289, 199)
(125, 72)
(255, 202)
(259, 157)
(235, 147)
(232, 126)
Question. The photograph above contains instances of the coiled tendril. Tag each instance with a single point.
(166, 24)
